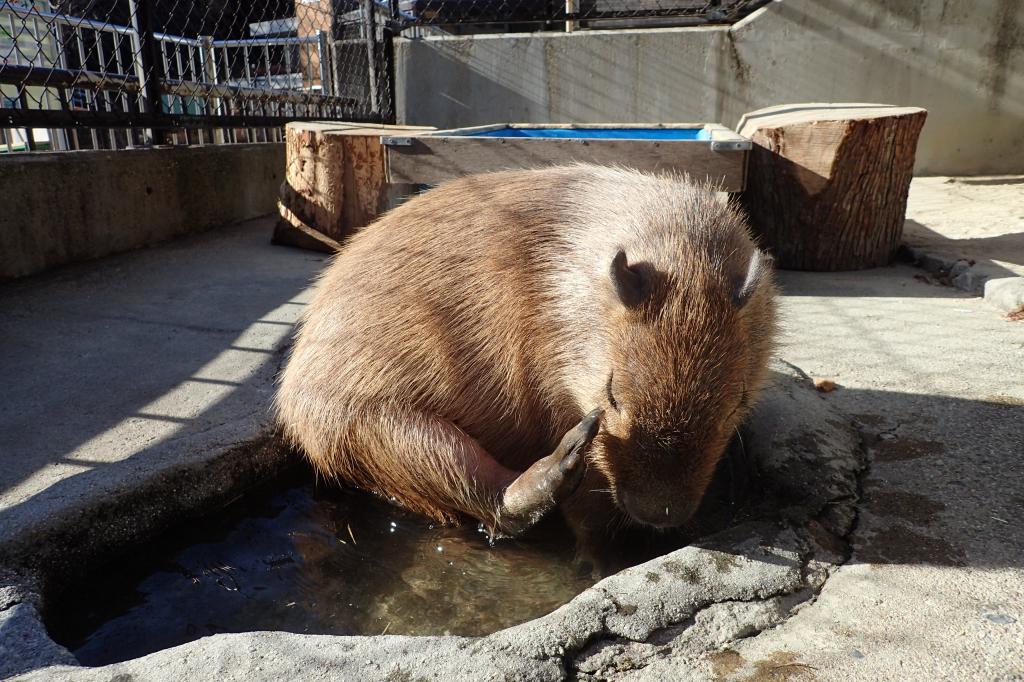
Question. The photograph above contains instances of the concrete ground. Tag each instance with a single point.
(980, 219)
(119, 369)
(115, 370)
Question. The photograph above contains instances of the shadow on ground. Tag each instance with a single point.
(138, 364)
(900, 281)
(984, 251)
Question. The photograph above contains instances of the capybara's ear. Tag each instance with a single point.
(630, 283)
(757, 269)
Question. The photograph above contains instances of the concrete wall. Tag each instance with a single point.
(65, 207)
(960, 59)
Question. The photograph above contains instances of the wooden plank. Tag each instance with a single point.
(720, 132)
(352, 128)
(476, 130)
(472, 130)
(431, 160)
(610, 126)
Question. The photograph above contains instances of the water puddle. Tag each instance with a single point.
(316, 559)
(310, 559)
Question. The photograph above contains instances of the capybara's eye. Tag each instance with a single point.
(611, 396)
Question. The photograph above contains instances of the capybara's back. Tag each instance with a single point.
(470, 351)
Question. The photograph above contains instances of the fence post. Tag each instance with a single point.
(572, 8)
(325, 57)
(148, 64)
(387, 47)
(30, 138)
(209, 57)
(371, 52)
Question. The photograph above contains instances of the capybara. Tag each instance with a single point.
(478, 349)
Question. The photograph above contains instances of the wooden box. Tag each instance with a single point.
(704, 150)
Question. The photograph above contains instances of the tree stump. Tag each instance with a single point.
(334, 182)
(827, 183)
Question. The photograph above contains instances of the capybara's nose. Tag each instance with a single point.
(657, 511)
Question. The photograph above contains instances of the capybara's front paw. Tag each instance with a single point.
(549, 480)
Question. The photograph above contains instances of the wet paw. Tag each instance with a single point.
(571, 453)
(549, 480)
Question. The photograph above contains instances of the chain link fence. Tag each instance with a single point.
(110, 74)
(473, 16)
(107, 74)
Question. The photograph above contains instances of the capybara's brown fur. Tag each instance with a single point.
(453, 342)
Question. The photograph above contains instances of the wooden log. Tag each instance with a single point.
(335, 181)
(827, 183)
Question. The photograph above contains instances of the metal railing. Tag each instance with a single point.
(87, 83)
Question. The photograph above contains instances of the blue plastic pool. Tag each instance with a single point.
(601, 133)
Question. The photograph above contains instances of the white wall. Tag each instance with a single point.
(961, 60)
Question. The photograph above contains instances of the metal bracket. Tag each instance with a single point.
(730, 145)
(393, 141)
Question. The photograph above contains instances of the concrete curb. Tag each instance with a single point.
(41, 559)
(1006, 293)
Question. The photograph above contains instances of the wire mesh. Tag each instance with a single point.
(119, 73)
(93, 74)
(461, 16)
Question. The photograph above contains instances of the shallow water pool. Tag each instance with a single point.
(321, 559)
(315, 560)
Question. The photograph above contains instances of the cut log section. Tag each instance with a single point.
(335, 181)
(827, 183)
